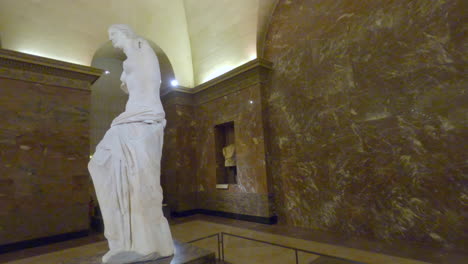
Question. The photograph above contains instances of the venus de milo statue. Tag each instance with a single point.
(126, 165)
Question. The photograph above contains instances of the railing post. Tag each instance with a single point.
(297, 257)
(222, 245)
(219, 247)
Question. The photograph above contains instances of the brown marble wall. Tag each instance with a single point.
(178, 162)
(190, 145)
(367, 113)
(250, 154)
(44, 139)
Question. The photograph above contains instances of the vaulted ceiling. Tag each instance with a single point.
(202, 38)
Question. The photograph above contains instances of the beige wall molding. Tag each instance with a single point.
(21, 66)
(244, 76)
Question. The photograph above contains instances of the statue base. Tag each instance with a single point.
(185, 254)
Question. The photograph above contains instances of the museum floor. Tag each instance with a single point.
(239, 250)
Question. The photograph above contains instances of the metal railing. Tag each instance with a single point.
(220, 243)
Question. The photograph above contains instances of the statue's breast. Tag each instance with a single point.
(139, 63)
(128, 66)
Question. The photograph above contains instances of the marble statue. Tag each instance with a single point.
(125, 168)
(229, 153)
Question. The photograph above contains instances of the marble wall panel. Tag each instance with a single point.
(367, 118)
(178, 162)
(244, 108)
(186, 160)
(168, 159)
(252, 204)
(44, 152)
(189, 155)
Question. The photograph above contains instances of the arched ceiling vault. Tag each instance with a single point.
(201, 38)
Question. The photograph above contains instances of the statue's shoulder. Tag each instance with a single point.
(147, 50)
(143, 43)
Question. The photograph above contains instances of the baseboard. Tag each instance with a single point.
(251, 218)
(42, 241)
(185, 213)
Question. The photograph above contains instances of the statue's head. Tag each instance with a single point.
(120, 34)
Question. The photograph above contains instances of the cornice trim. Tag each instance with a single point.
(230, 74)
(37, 60)
(204, 92)
(13, 63)
(258, 62)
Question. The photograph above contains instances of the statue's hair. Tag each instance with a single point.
(125, 29)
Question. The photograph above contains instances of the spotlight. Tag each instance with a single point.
(106, 72)
(251, 102)
(174, 83)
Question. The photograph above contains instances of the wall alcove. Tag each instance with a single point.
(226, 169)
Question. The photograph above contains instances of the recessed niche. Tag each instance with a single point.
(226, 168)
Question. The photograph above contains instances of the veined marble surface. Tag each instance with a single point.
(189, 163)
(178, 161)
(44, 185)
(367, 112)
